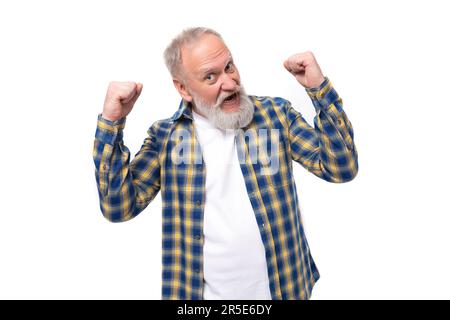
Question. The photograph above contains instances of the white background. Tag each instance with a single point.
(382, 236)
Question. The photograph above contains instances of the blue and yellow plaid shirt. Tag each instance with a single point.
(126, 188)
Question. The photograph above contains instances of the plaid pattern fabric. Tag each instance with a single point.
(126, 188)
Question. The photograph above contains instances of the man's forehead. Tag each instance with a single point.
(206, 53)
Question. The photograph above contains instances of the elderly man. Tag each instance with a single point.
(223, 162)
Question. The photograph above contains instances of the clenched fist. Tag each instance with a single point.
(305, 69)
(120, 99)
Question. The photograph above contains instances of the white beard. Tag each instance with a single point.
(226, 120)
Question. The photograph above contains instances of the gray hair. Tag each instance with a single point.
(172, 54)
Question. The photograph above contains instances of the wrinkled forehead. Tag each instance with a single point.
(208, 52)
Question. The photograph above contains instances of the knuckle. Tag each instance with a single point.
(114, 86)
(129, 86)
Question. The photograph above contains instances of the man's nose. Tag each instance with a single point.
(229, 83)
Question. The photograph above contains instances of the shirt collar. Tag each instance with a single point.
(185, 109)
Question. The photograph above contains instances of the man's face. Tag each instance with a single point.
(210, 74)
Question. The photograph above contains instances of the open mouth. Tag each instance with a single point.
(231, 99)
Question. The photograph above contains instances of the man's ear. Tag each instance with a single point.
(181, 88)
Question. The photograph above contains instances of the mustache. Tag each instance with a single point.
(225, 95)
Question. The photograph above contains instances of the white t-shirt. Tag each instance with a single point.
(234, 259)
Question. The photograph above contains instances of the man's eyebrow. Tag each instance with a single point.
(207, 70)
(212, 69)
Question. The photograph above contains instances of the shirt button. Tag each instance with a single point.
(197, 237)
(197, 270)
(340, 122)
(198, 203)
(104, 167)
(263, 226)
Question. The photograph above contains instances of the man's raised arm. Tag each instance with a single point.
(124, 189)
(327, 149)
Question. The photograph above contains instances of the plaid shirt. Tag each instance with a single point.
(125, 189)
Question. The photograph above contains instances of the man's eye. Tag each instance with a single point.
(229, 67)
(209, 77)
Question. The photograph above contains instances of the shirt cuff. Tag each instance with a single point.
(324, 95)
(108, 131)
